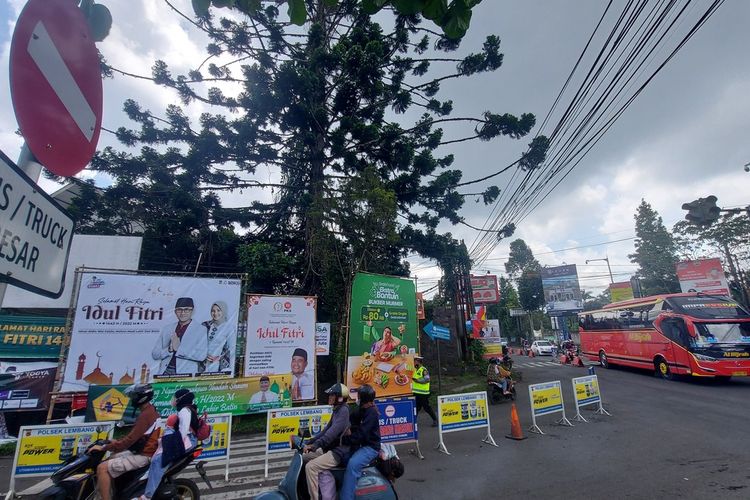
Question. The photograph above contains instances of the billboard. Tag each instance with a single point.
(133, 328)
(281, 341)
(383, 334)
(31, 337)
(561, 290)
(484, 289)
(621, 291)
(704, 275)
(26, 386)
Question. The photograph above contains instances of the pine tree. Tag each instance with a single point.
(523, 267)
(655, 252)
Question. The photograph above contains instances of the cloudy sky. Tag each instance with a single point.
(685, 136)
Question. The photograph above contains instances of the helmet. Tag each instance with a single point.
(366, 394)
(339, 390)
(494, 361)
(140, 394)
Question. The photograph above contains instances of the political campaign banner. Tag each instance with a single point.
(31, 337)
(281, 341)
(621, 291)
(285, 423)
(236, 396)
(484, 289)
(562, 292)
(133, 328)
(703, 275)
(398, 420)
(322, 339)
(383, 334)
(26, 386)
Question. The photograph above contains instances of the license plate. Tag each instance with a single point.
(739, 374)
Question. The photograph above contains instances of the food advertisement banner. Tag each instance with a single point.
(42, 448)
(586, 390)
(484, 289)
(621, 291)
(236, 396)
(704, 275)
(462, 411)
(546, 398)
(398, 420)
(282, 424)
(31, 337)
(322, 339)
(281, 341)
(26, 386)
(562, 292)
(383, 335)
(131, 329)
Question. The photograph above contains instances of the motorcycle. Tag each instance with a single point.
(372, 485)
(496, 395)
(76, 479)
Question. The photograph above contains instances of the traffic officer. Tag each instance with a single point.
(420, 385)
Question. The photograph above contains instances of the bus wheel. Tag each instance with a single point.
(603, 360)
(662, 369)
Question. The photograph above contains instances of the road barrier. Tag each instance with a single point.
(586, 391)
(398, 421)
(546, 398)
(460, 412)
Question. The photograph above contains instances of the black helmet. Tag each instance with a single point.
(339, 390)
(366, 394)
(140, 394)
(494, 361)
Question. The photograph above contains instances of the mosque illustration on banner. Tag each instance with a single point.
(99, 377)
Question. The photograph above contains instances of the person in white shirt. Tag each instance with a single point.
(264, 395)
(303, 386)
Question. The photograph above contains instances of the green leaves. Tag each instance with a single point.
(435, 9)
(200, 7)
(297, 11)
(98, 18)
(456, 21)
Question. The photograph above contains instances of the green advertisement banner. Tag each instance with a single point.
(383, 334)
(238, 396)
(31, 337)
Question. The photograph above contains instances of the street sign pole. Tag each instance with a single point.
(440, 375)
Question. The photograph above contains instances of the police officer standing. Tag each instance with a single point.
(420, 385)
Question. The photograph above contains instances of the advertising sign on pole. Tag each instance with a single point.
(621, 291)
(282, 424)
(398, 420)
(704, 275)
(322, 339)
(546, 398)
(514, 313)
(420, 306)
(36, 234)
(138, 328)
(26, 386)
(459, 412)
(56, 84)
(383, 334)
(281, 341)
(31, 337)
(41, 449)
(561, 290)
(484, 289)
(586, 390)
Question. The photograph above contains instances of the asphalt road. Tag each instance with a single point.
(665, 439)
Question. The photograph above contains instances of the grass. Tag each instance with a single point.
(7, 449)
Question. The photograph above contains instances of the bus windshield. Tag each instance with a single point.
(708, 307)
(722, 333)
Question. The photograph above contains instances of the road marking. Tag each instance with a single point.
(42, 50)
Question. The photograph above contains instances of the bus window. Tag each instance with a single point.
(676, 331)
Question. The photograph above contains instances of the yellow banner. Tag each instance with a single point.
(546, 398)
(42, 449)
(587, 390)
(282, 424)
(461, 411)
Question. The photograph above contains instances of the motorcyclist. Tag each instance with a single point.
(325, 450)
(364, 440)
(496, 373)
(134, 450)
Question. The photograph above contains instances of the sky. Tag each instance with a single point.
(684, 137)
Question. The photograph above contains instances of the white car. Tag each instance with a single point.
(542, 348)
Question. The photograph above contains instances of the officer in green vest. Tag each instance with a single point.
(420, 385)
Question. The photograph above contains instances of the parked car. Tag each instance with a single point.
(504, 341)
(542, 348)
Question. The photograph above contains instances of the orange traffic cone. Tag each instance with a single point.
(515, 425)
(577, 361)
(531, 353)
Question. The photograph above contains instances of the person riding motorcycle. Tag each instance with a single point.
(325, 450)
(498, 374)
(364, 440)
(134, 450)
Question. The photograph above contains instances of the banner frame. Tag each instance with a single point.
(487, 439)
(268, 428)
(416, 451)
(600, 409)
(563, 421)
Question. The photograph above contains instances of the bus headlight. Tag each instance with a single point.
(701, 357)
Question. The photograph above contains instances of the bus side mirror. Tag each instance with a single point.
(691, 329)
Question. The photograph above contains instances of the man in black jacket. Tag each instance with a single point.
(364, 438)
(325, 450)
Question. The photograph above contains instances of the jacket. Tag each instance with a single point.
(365, 429)
(330, 438)
(144, 428)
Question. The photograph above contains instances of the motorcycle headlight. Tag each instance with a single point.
(701, 357)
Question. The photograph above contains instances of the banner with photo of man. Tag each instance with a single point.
(135, 328)
(281, 341)
(383, 334)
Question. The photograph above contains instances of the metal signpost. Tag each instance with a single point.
(438, 332)
(586, 390)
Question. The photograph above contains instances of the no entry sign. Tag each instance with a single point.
(56, 84)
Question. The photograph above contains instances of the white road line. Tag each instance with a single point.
(42, 50)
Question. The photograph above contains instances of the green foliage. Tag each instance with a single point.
(520, 259)
(268, 266)
(98, 17)
(655, 252)
(523, 267)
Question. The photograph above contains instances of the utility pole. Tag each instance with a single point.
(605, 259)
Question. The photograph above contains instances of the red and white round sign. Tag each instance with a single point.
(56, 84)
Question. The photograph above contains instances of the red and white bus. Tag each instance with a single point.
(687, 333)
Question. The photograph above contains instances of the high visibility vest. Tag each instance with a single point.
(416, 387)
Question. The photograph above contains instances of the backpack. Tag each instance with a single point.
(203, 431)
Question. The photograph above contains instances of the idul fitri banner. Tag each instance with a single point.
(134, 329)
(281, 341)
(383, 335)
